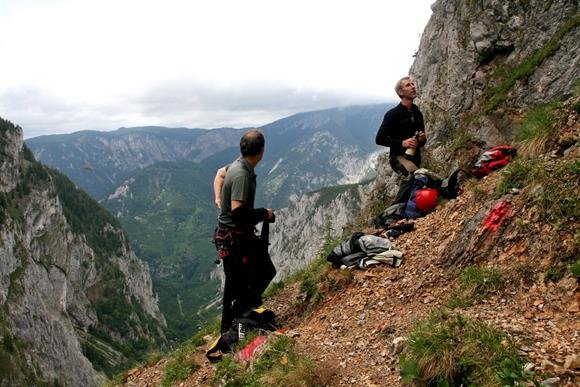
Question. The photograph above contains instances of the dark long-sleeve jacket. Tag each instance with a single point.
(398, 125)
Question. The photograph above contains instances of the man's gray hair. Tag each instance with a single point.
(399, 85)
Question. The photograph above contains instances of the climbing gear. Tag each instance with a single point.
(223, 241)
(261, 319)
(493, 159)
(426, 199)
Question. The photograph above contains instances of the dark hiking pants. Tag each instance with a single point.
(248, 273)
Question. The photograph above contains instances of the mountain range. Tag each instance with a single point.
(304, 152)
(157, 181)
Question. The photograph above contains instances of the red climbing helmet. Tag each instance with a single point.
(426, 199)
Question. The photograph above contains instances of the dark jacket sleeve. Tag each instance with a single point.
(244, 217)
(385, 133)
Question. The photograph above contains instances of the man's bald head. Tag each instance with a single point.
(252, 143)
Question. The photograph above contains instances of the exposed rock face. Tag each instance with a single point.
(300, 229)
(470, 48)
(56, 284)
(10, 147)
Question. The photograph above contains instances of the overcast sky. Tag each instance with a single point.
(103, 64)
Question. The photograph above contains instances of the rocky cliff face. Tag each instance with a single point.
(301, 228)
(75, 300)
(481, 62)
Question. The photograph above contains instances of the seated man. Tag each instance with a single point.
(403, 131)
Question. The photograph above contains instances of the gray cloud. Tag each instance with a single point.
(188, 104)
(274, 97)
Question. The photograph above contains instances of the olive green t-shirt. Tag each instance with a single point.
(239, 184)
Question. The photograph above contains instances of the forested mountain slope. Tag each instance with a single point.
(76, 303)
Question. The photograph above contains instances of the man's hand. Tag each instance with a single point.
(271, 216)
(411, 142)
(422, 137)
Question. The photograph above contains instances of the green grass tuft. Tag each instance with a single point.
(279, 365)
(554, 274)
(452, 350)
(575, 269)
(539, 122)
(475, 284)
(181, 365)
(517, 175)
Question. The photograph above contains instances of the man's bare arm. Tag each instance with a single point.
(218, 183)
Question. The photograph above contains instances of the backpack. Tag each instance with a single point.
(354, 250)
(450, 187)
(391, 215)
(349, 247)
(260, 318)
(371, 244)
(493, 159)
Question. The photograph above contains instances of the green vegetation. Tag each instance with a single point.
(118, 315)
(575, 269)
(328, 194)
(6, 127)
(554, 184)
(181, 364)
(461, 141)
(86, 216)
(273, 289)
(539, 122)
(475, 284)
(554, 274)
(169, 218)
(451, 350)
(318, 278)
(518, 174)
(279, 365)
(15, 368)
(497, 95)
(479, 194)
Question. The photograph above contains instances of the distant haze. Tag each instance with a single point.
(87, 64)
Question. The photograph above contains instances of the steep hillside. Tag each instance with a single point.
(75, 301)
(167, 209)
(475, 305)
(313, 150)
(471, 304)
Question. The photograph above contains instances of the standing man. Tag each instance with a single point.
(403, 131)
(247, 269)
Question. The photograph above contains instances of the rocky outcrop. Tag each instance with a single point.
(480, 62)
(10, 147)
(301, 228)
(66, 285)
